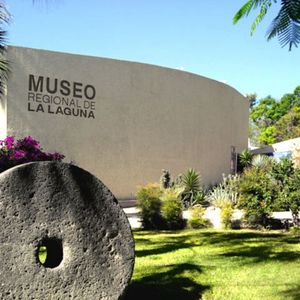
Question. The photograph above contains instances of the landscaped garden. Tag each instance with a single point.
(262, 187)
(187, 259)
(212, 264)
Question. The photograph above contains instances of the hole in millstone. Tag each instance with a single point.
(50, 252)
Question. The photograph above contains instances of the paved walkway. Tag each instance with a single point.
(127, 203)
(133, 218)
(131, 211)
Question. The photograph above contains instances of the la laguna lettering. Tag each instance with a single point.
(60, 97)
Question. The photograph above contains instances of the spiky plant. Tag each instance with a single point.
(192, 187)
(262, 161)
(231, 184)
(245, 158)
(225, 197)
(227, 192)
(219, 197)
(165, 180)
(286, 25)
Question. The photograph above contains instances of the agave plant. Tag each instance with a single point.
(226, 193)
(192, 187)
(261, 161)
(219, 197)
(245, 158)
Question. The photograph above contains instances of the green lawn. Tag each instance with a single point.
(211, 264)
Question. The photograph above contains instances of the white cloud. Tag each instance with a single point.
(181, 68)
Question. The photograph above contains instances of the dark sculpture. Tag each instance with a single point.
(76, 220)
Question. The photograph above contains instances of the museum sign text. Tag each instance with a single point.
(61, 97)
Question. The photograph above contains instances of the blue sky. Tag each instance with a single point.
(193, 35)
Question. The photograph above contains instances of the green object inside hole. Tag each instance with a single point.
(42, 254)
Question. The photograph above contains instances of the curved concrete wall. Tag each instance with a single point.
(138, 118)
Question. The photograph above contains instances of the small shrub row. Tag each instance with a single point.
(263, 186)
(161, 205)
(197, 219)
(160, 208)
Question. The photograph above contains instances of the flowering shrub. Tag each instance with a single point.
(13, 153)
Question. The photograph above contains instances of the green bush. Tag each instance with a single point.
(171, 210)
(197, 219)
(226, 215)
(255, 220)
(269, 186)
(295, 230)
(160, 209)
(287, 178)
(258, 194)
(149, 203)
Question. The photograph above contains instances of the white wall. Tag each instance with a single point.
(147, 118)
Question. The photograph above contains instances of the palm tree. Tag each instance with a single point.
(286, 25)
(4, 68)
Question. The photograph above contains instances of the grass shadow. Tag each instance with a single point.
(259, 247)
(167, 246)
(172, 241)
(232, 238)
(292, 293)
(179, 281)
(168, 284)
(262, 254)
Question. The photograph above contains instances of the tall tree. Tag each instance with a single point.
(265, 114)
(286, 25)
(288, 126)
(252, 98)
(4, 68)
(274, 121)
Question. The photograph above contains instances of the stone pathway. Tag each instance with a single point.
(133, 218)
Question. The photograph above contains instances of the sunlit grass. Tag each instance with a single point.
(42, 254)
(208, 264)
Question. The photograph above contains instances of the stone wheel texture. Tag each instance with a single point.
(68, 211)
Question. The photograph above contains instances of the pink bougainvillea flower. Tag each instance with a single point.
(19, 154)
(28, 142)
(24, 150)
(9, 141)
(57, 156)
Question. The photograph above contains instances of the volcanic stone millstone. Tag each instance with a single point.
(71, 210)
